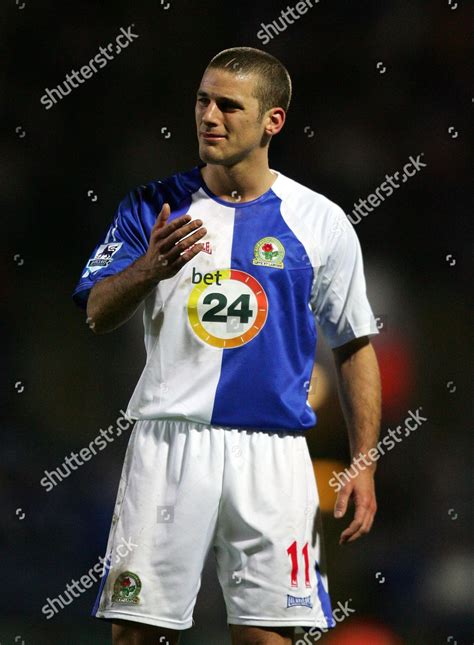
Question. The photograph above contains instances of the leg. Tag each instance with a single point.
(248, 635)
(164, 518)
(268, 544)
(125, 632)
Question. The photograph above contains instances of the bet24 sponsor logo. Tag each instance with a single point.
(238, 312)
(227, 307)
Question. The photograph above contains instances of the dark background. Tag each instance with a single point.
(61, 384)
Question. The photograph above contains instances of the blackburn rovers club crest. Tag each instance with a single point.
(269, 252)
(126, 588)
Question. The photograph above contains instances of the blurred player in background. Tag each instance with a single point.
(235, 264)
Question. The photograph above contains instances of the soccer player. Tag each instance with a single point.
(235, 263)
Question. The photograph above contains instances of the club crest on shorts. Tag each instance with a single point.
(269, 252)
(127, 586)
(297, 601)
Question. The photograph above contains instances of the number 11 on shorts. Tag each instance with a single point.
(292, 551)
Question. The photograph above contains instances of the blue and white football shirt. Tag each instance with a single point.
(231, 338)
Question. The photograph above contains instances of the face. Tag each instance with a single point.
(227, 111)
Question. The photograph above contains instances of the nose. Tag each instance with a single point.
(209, 116)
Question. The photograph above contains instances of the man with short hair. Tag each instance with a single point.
(235, 263)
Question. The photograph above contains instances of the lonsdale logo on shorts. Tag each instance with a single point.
(126, 588)
(269, 252)
(227, 308)
(298, 601)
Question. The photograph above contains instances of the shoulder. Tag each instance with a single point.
(308, 204)
(173, 189)
(316, 217)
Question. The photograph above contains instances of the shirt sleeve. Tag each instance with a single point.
(339, 300)
(124, 242)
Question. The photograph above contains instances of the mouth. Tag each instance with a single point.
(211, 137)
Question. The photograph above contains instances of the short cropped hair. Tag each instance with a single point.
(273, 82)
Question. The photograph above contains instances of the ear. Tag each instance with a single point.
(274, 121)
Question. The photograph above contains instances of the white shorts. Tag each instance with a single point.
(250, 495)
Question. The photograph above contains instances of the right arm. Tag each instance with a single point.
(113, 300)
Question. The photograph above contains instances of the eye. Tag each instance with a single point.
(227, 107)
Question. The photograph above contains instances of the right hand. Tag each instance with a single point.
(163, 257)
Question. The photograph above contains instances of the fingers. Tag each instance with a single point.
(163, 216)
(341, 502)
(365, 509)
(172, 239)
(185, 244)
(169, 234)
(365, 528)
(162, 229)
(188, 255)
(362, 522)
(355, 528)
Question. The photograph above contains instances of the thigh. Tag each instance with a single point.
(127, 633)
(245, 635)
(269, 543)
(163, 525)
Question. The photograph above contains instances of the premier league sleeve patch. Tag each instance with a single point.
(103, 256)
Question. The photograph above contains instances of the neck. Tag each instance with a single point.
(237, 183)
